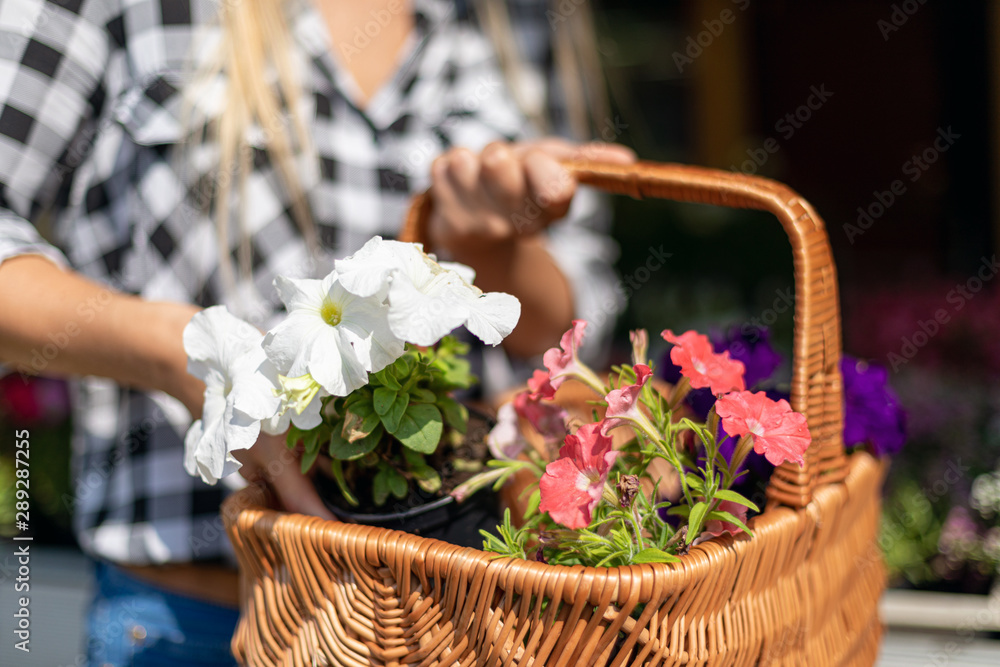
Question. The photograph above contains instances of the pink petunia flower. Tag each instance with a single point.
(779, 433)
(623, 403)
(541, 385)
(562, 361)
(572, 486)
(717, 527)
(549, 419)
(702, 366)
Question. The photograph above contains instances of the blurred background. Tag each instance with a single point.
(884, 116)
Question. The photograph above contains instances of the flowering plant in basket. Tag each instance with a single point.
(599, 505)
(361, 369)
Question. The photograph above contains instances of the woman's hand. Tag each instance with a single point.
(506, 193)
(488, 211)
(271, 461)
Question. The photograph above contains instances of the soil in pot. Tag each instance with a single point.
(434, 515)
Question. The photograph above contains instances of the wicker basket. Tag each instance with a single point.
(803, 591)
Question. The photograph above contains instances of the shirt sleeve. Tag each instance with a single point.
(52, 56)
(483, 110)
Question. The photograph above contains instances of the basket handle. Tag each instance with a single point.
(816, 381)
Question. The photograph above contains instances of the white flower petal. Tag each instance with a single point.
(300, 293)
(254, 392)
(287, 345)
(215, 329)
(366, 272)
(467, 273)
(505, 441)
(335, 365)
(492, 316)
(310, 417)
(420, 318)
(225, 353)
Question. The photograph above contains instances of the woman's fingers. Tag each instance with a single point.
(508, 190)
(296, 493)
(502, 177)
(272, 461)
(550, 187)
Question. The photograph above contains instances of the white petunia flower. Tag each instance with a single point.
(224, 352)
(427, 299)
(505, 440)
(331, 334)
(299, 404)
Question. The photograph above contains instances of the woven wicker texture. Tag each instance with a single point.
(803, 591)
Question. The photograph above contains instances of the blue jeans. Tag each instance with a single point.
(133, 624)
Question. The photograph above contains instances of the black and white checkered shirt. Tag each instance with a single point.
(90, 120)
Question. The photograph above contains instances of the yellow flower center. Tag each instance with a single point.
(331, 313)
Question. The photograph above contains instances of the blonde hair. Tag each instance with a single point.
(254, 54)
(574, 48)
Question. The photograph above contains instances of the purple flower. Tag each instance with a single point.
(752, 346)
(872, 411)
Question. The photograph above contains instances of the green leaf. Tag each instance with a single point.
(357, 396)
(310, 441)
(397, 484)
(401, 367)
(295, 434)
(341, 448)
(308, 459)
(654, 555)
(391, 418)
(382, 400)
(733, 497)
(338, 477)
(388, 480)
(719, 515)
(695, 519)
(380, 487)
(679, 510)
(696, 484)
(359, 422)
(455, 414)
(534, 500)
(385, 378)
(420, 428)
(427, 477)
(421, 395)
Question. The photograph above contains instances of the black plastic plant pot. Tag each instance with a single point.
(439, 518)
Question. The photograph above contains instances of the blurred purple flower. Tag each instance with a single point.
(33, 400)
(872, 411)
(959, 535)
(752, 346)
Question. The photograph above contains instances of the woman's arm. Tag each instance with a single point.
(57, 322)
